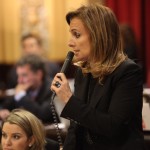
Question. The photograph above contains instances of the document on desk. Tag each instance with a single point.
(146, 116)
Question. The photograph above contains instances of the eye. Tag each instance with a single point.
(16, 136)
(76, 34)
(4, 135)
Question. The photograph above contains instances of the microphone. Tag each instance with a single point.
(64, 68)
(67, 62)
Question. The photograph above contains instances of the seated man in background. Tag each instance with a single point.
(32, 44)
(32, 91)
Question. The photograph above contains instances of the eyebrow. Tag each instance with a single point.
(71, 30)
(12, 133)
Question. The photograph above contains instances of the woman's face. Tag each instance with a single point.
(80, 40)
(14, 137)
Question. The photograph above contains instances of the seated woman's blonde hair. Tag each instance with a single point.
(30, 124)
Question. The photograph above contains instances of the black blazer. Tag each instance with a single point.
(109, 115)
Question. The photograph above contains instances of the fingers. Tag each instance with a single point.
(58, 80)
(60, 77)
(57, 84)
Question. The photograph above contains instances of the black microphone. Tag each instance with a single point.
(64, 68)
(67, 62)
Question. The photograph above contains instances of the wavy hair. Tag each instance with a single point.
(106, 49)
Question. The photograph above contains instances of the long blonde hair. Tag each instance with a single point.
(106, 52)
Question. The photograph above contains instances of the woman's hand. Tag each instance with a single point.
(61, 87)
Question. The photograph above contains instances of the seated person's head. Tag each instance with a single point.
(22, 131)
(31, 71)
(129, 41)
(31, 44)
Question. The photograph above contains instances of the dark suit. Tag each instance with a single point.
(106, 116)
(40, 106)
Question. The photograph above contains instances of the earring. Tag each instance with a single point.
(30, 145)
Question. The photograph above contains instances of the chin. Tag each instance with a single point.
(76, 59)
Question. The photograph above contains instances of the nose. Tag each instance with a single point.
(8, 141)
(20, 79)
(71, 43)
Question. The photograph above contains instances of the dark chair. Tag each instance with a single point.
(51, 145)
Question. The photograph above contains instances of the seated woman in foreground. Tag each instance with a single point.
(22, 131)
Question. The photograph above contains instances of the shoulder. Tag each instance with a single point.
(127, 71)
(128, 66)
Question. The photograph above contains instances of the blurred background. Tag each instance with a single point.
(46, 18)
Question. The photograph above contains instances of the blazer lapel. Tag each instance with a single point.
(100, 91)
(97, 94)
(82, 87)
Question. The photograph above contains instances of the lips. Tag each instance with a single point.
(76, 51)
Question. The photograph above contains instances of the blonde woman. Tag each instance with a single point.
(22, 131)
